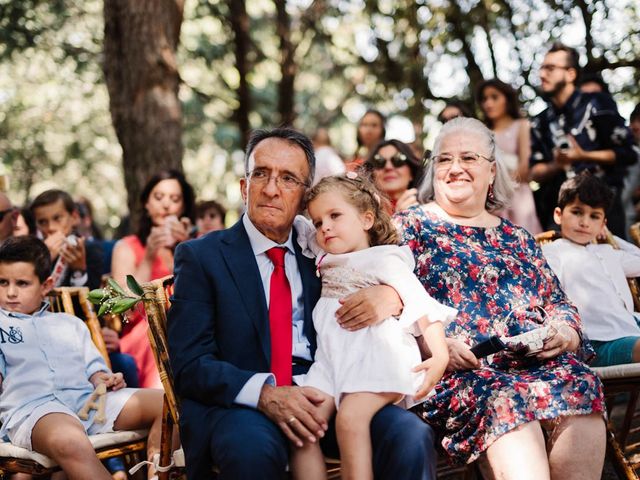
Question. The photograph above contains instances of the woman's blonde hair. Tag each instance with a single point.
(365, 197)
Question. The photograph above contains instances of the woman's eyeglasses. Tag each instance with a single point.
(465, 159)
(378, 161)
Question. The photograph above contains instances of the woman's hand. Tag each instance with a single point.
(561, 338)
(158, 238)
(460, 356)
(407, 199)
(368, 306)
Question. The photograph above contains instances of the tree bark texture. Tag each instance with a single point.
(239, 21)
(140, 41)
(288, 66)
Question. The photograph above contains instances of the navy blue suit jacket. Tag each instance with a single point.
(218, 325)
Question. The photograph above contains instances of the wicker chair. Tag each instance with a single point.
(618, 380)
(15, 459)
(160, 290)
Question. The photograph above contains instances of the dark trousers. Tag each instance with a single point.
(244, 444)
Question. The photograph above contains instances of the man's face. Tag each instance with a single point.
(54, 218)
(555, 73)
(8, 216)
(271, 205)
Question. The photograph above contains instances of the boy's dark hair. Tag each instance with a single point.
(52, 196)
(27, 249)
(595, 77)
(573, 58)
(587, 188)
(206, 205)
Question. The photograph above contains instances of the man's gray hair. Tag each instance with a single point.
(289, 135)
(502, 184)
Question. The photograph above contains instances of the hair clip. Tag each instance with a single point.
(351, 175)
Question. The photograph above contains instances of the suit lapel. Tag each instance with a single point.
(242, 265)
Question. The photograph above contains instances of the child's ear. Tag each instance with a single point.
(46, 286)
(75, 216)
(368, 218)
(557, 215)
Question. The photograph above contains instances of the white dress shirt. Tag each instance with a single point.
(594, 277)
(250, 392)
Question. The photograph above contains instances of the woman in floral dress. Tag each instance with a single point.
(526, 417)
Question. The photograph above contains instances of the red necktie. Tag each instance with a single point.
(280, 318)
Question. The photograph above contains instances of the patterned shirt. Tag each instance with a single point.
(593, 120)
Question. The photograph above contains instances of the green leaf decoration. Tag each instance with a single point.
(134, 286)
(116, 287)
(105, 307)
(124, 304)
(96, 296)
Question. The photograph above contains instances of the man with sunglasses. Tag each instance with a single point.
(8, 217)
(578, 131)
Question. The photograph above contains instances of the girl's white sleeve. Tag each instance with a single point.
(306, 237)
(396, 270)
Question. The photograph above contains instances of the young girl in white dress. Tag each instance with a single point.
(363, 370)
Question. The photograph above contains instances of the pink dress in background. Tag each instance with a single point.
(522, 210)
(135, 340)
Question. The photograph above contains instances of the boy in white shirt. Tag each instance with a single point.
(49, 367)
(594, 276)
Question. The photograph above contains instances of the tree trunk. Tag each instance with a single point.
(239, 21)
(288, 67)
(140, 41)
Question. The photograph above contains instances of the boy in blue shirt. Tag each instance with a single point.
(49, 367)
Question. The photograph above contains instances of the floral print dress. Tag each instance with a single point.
(501, 284)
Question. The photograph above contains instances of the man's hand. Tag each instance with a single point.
(567, 156)
(54, 243)
(75, 255)
(295, 411)
(460, 356)
(113, 381)
(368, 306)
(111, 340)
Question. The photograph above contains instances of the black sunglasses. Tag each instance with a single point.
(398, 160)
(4, 212)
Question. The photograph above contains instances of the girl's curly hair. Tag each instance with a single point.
(360, 192)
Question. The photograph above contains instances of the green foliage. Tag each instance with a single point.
(115, 299)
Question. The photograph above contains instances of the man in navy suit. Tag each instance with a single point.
(233, 414)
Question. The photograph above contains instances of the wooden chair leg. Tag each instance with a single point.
(166, 440)
(623, 468)
(628, 418)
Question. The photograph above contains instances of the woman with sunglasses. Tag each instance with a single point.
(501, 111)
(396, 171)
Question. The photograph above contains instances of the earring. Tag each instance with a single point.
(490, 195)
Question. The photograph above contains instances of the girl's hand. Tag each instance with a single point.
(434, 369)
(460, 356)
(561, 338)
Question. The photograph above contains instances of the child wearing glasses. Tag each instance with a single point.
(361, 371)
(396, 172)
